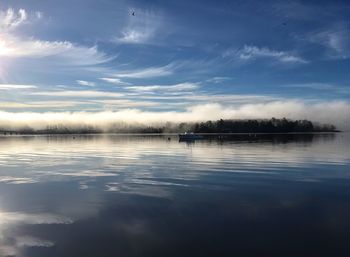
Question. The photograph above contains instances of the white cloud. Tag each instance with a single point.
(224, 99)
(65, 51)
(135, 36)
(170, 88)
(140, 29)
(336, 39)
(38, 104)
(13, 105)
(217, 80)
(151, 72)
(15, 86)
(78, 93)
(9, 19)
(126, 103)
(115, 81)
(253, 52)
(85, 83)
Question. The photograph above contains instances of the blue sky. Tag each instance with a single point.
(175, 56)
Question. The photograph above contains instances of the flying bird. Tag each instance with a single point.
(133, 14)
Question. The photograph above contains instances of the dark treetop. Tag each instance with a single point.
(220, 126)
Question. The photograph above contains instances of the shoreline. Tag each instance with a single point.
(169, 134)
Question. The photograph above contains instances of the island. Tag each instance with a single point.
(222, 126)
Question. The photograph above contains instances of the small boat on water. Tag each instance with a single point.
(189, 136)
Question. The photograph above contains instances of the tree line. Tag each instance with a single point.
(261, 126)
(272, 125)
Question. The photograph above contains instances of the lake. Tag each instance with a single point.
(120, 195)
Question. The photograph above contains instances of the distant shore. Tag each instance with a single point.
(218, 127)
(167, 134)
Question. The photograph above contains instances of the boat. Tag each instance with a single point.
(189, 136)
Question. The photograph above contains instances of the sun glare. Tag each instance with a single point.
(4, 50)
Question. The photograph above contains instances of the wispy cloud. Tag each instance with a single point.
(135, 36)
(201, 98)
(78, 93)
(310, 11)
(322, 87)
(336, 39)
(39, 15)
(126, 103)
(162, 88)
(115, 81)
(249, 52)
(10, 19)
(315, 85)
(151, 72)
(12, 45)
(217, 80)
(64, 51)
(37, 104)
(140, 29)
(16, 86)
(85, 83)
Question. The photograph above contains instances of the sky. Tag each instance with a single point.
(153, 61)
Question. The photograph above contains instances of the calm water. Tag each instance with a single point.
(148, 196)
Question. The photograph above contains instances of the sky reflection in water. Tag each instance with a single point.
(147, 196)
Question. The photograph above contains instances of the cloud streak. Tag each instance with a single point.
(115, 81)
(162, 88)
(249, 52)
(38, 104)
(85, 83)
(78, 93)
(15, 86)
(151, 72)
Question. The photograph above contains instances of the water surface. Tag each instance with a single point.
(108, 195)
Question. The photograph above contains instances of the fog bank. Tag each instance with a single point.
(336, 113)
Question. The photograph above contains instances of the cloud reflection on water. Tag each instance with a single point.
(12, 244)
(129, 159)
(126, 188)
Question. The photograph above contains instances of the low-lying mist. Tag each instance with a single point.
(336, 113)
